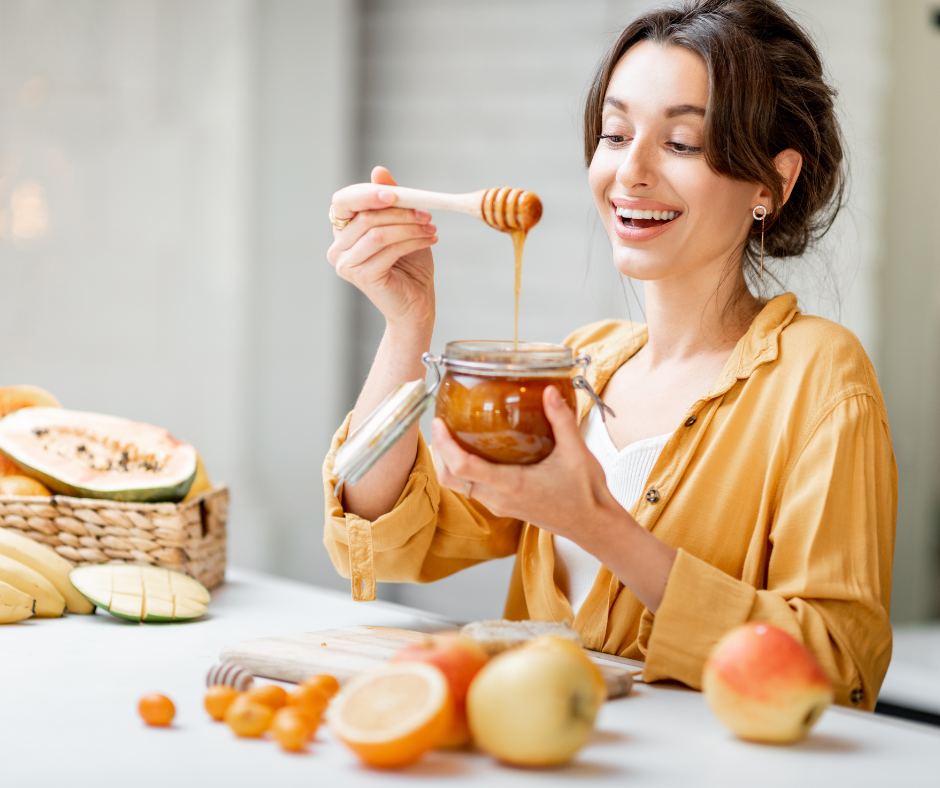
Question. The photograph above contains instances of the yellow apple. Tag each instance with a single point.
(534, 705)
(765, 685)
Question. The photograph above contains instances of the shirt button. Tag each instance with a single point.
(690, 421)
(652, 495)
(858, 695)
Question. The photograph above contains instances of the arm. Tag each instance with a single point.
(566, 494)
(385, 252)
(829, 573)
(429, 533)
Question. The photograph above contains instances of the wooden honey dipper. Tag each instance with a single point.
(505, 209)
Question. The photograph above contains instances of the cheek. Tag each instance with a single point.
(600, 177)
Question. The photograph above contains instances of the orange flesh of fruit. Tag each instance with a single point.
(390, 718)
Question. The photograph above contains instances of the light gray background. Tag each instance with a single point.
(166, 168)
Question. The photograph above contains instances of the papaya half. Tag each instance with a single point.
(12, 398)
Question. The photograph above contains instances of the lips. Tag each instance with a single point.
(641, 222)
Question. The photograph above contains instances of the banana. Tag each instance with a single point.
(49, 602)
(48, 563)
(14, 604)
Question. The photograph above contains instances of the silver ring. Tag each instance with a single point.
(338, 223)
(761, 217)
(467, 490)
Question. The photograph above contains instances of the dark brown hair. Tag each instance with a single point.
(767, 93)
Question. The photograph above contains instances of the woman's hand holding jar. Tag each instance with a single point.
(565, 494)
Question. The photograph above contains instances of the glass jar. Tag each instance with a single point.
(489, 395)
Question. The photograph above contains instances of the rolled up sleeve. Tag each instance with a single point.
(430, 533)
(828, 580)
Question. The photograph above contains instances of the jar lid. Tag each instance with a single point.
(508, 357)
(382, 428)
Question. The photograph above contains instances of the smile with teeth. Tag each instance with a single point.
(637, 218)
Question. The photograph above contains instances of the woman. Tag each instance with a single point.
(748, 474)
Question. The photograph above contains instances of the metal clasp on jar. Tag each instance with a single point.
(580, 382)
(435, 364)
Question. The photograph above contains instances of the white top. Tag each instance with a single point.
(627, 471)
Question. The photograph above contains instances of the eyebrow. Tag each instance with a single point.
(671, 112)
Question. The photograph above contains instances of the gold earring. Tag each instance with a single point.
(761, 220)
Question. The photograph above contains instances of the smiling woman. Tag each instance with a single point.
(748, 475)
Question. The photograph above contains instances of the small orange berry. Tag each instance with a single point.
(311, 699)
(156, 710)
(290, 729)
(247, 718)
(312, 721)
(271, 695)
(217, 700)
(328, 684)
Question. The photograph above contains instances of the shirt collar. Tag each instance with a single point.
(759, 345)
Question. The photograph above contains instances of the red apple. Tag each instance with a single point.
(459, 659)
(765, 685)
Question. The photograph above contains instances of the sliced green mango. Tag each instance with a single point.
(129, 606)
(141, 593)
(158, 610)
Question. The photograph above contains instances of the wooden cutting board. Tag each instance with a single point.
(345, 652)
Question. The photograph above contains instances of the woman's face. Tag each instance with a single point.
(651, 159)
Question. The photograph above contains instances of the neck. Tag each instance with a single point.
(703, 311)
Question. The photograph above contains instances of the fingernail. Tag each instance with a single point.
(430, 229)
(386, 196)
(554, 398)
(422, 216)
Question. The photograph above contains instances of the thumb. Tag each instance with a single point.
(381, 175)
(563, 420)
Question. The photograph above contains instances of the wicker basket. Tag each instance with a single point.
(188, 537)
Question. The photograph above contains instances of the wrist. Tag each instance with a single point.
(407, 342)
(412, 334)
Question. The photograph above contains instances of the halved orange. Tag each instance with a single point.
(391, 716)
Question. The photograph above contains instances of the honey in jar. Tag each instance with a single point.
(490, 397)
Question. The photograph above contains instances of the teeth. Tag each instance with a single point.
(627, 213)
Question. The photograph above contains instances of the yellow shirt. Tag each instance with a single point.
(778, 488)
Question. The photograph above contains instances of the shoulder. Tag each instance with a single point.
(826, 359)
(606, 335)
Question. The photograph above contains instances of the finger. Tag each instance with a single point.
(444, 476)
(366, 220)
(378, 266)
(378, 239)
(560, 416)
(351, 200)
(461, 464)
(381, 175)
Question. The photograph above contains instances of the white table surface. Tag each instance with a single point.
(70, 688)
(913, 678)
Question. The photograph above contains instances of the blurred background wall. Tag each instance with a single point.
(166, 168)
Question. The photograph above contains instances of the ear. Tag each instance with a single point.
(788, 163)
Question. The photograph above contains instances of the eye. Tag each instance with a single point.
(682, 148)
(613, 140)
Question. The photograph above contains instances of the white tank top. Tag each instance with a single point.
(627, 471)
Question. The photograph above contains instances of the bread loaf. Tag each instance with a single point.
(499, 635)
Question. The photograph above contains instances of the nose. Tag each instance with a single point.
(637, 170)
